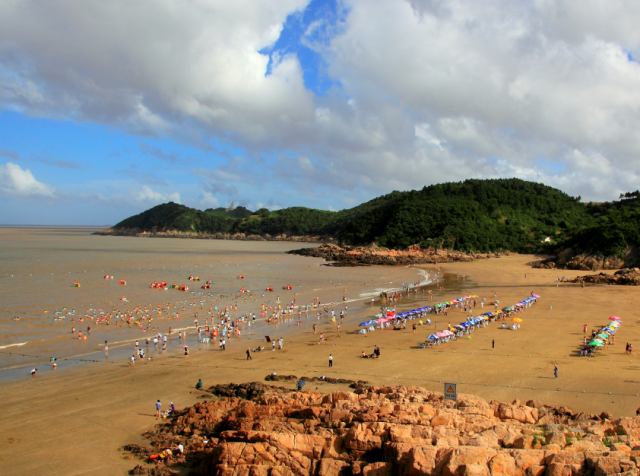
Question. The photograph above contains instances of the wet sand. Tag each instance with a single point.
(73, 422)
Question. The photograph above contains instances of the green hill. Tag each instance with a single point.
(478, 215)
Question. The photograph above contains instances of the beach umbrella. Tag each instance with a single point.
(507, 309)
(614, 318)
(516, 319)
(596, 343)
(433, 337)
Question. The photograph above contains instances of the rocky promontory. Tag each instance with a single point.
(570, 258)
(164, 233)
(385, 431)
(370, 255)
(624, 277)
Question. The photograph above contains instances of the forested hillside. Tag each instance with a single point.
(478, 215)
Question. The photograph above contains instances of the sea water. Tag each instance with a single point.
(39, 265)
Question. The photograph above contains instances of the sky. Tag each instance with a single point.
(110, 108)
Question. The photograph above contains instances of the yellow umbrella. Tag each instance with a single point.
(516, 319)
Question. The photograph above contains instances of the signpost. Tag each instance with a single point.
(451, 392)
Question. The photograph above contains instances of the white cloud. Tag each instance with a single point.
(150, 64)
(430, 90)
(146, 194)
(207, 200)
(18, 182)
(494, 79)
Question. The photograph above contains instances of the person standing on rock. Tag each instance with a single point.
(555, 371)
(330, 360)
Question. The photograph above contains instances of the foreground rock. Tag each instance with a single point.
(624, 277)
(370, 255)
(390, 431)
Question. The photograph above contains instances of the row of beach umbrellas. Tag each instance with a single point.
(606, 332)
(390, 315)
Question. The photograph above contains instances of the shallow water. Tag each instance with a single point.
(38, 265)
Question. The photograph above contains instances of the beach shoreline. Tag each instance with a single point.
(74, 422)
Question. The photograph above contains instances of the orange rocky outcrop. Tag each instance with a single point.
(571, 258)
(369, 255)
(624, 277)
(402, 431)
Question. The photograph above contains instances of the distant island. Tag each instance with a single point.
(473, 217)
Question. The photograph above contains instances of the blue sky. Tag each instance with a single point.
(323, 103)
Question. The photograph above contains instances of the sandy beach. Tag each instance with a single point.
(73, 422)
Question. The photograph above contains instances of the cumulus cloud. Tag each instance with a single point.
(424, 90)
(150, 65)
(147, 195)
(16, 182)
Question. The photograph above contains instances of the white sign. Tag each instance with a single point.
(450, 392)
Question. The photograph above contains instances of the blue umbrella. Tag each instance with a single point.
(433, 337)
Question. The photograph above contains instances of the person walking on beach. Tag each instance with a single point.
(158, 407)
(555, 371)
(33, 372)
(314, 328)
(249, 354)
(330, 360)
(493, 343)
(376, 351)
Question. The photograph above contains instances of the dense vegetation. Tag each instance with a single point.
(478, 215)
(612, 228)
